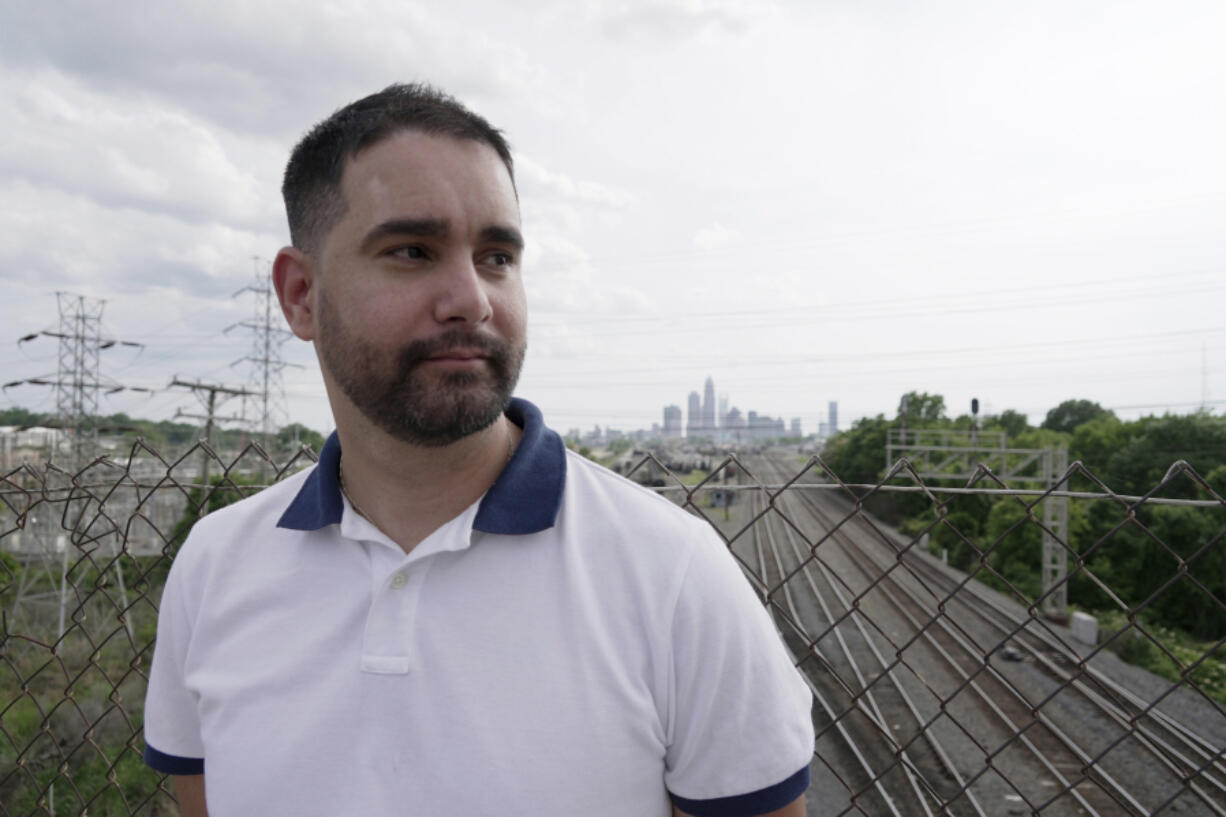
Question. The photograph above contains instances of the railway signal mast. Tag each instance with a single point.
(939, 454)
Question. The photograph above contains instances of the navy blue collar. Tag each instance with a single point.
(524, 499)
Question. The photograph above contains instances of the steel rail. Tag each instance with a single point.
(820, 697)
(873, 710)
(1125, 715)
(909, 764)
(1068, 745)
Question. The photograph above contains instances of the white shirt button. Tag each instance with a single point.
(398, 581)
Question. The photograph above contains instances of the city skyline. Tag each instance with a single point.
(728, 425)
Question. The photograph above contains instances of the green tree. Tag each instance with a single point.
(290, 437)
(1014, 539)
(1193, 537)
(920, 406)
(1013, 423)
(1217, 480)
(858, 454)
(1095, 441)
(1154, 443)
(1072, 413)
(23, 418)
(958, 534)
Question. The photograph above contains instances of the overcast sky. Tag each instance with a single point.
(807, 201)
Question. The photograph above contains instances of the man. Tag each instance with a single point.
(451, 614)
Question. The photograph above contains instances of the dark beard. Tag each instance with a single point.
(401, 402)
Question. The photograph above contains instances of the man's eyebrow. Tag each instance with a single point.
(436, 228)
(423, 227)
(503, 235)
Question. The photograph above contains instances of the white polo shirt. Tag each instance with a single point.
(570, 644)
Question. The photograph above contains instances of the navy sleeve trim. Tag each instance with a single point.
(763, 801)
(172, 764)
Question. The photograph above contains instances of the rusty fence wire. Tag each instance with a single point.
(943, 683)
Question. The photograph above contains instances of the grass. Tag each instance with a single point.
(1179, 658)
(71, 717)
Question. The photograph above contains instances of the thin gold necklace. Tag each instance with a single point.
(340, 472)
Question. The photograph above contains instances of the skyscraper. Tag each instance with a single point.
(833, 422)
(693, 423)
(708, 406)
(672, 422)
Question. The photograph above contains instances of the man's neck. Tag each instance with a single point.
(409, 491)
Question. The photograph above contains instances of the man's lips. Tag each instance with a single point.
(458, 354)
(458, 357)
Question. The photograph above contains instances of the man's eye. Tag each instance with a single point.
(500, 259)
(409, 252)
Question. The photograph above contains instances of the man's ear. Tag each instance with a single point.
(293, 276)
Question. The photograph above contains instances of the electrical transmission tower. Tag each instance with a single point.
(264, 405)
(49, 537)
(78, 380)
(77, 386)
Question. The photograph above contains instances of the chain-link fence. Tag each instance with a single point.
(940, 686)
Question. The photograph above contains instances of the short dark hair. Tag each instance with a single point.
(311, 188)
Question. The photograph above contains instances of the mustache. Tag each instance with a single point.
(418, 351)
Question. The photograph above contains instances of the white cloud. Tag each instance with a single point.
(563, 283)
(543, 182)
(717, 237)
(274, 66)
(678, 18)
(60, 240)
(128, 153)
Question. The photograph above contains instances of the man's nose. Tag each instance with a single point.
(462, 295)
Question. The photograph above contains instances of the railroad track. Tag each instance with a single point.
(922, 705)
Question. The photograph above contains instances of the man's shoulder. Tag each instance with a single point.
(601, 478)
(251, 517)
(625, 500)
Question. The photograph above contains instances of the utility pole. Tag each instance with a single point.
(212, 389)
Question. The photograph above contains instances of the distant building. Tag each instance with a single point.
(762, 427)
(796, 427)
(708, 407)
(734, 425)
(672, 422)
(723, 410)
(833, 422)
(694, 416)
(823, 429)
(29, 445)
